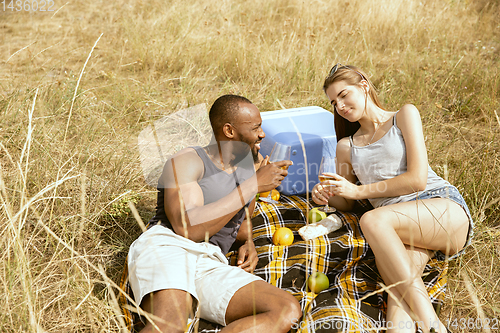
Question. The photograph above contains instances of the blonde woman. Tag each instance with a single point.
(416, 215)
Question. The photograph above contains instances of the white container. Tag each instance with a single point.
(316, 128)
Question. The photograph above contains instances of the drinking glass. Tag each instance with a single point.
(280, 152)
(327, 165)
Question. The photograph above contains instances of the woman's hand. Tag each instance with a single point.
(342, 187)
(321, 193)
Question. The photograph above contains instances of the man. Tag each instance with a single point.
(205, 193)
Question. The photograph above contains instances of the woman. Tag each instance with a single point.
(416, 215)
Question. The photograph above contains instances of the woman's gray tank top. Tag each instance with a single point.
(386, 159)
(215, 185)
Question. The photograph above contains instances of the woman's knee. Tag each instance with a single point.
(372, 221)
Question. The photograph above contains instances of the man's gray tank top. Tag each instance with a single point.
(215, 185)
(386, 159)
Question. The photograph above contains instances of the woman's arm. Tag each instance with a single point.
(322, 193)
(415, 179)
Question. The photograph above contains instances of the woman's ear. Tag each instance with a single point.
(364, 85)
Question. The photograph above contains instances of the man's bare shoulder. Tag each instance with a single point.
(186, 154)
(183, 167)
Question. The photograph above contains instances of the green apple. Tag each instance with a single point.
(316, 215)
(317, 282)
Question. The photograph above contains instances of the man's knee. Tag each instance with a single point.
(170, 308)
(288, 312)
(294, 311)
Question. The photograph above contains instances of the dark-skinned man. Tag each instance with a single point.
(205, 193)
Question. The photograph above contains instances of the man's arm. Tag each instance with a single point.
(247, 255)
(184, 202)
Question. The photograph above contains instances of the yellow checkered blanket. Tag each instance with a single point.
(353, 302)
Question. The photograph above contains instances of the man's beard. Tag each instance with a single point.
(255, 156)
(243, 153)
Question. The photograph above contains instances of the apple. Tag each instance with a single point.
(317, 282)
(316, 215)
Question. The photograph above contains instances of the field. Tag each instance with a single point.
(79, 83)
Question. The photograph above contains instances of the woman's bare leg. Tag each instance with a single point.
(398, 312)
(434, 224)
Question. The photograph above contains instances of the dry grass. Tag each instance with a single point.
(69, 161)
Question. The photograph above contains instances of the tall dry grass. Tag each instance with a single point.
(72, 103)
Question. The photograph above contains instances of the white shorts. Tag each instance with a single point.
(160, 259)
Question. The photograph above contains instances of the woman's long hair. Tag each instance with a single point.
(352, 75)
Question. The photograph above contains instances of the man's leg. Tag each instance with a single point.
(275, 310)
(170, 309)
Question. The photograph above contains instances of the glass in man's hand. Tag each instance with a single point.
(280, 152)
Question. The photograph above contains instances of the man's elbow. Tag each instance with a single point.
(188, 232)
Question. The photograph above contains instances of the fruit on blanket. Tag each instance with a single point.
(275, 195)
(283, 237)
(316, 215)
(318, 282)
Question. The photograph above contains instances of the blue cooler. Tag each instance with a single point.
(315, 125)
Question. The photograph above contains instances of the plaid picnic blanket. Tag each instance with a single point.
(352, 303)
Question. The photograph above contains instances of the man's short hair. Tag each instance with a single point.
(224, 110)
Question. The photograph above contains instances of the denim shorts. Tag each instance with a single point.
(452, 193)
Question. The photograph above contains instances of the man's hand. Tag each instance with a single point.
(270, 175)
(247, 257)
